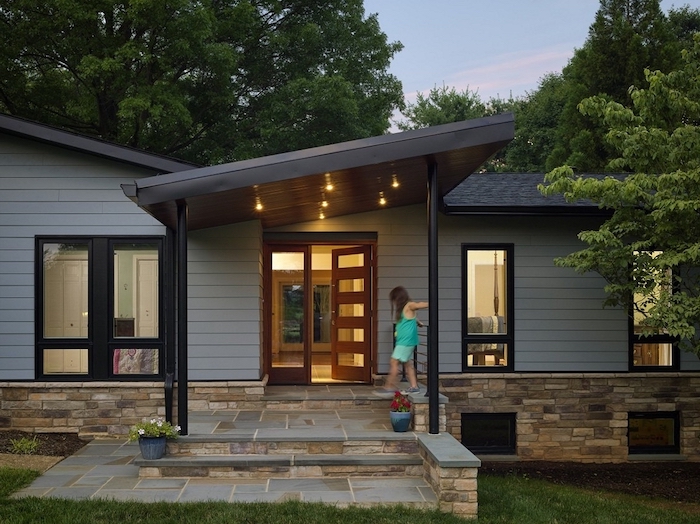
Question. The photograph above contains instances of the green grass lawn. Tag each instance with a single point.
(501, 500)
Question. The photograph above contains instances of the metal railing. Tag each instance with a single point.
(420, 353)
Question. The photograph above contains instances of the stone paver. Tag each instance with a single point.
(105, 469)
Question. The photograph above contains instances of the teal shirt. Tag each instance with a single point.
(407, 331)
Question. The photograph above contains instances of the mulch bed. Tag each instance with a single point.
(674, 481)
(50, 444)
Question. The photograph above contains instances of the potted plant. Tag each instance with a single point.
(400, 412)
(152, 435)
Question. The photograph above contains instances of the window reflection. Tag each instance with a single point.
(65, 290)
(136, 291)
(486, 304)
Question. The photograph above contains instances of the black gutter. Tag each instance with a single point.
(572, 210)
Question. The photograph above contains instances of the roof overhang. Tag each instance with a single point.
(291, 187)
(90, 145)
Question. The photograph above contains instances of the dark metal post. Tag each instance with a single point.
(182, 316)
(433, 375)
(170, 295)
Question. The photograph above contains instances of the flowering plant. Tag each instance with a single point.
(156, 427)
(400, 403)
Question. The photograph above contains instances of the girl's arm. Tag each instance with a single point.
(416, 305)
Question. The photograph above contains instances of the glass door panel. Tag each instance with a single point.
(317, 313)
(288, 327)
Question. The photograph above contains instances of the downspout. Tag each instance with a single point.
(182, 316)
(433, 375)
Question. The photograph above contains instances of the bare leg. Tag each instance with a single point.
(393, 375)
(411, 372)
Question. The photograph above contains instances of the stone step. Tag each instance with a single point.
(283, 466)
(323, 441)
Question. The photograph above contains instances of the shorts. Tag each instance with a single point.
(402, 353)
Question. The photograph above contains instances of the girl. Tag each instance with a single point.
(406, 337)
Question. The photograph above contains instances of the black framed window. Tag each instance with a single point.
(99, 307)
(489, 433)
(657, 350)
(654, 432)
(487, 307)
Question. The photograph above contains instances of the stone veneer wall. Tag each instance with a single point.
(106, 409)
(560, 416)
(576, 416)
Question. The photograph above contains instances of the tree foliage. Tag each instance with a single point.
(536, 118)
(444, 105)
(654, 229)
(626, 37)
(207, 81)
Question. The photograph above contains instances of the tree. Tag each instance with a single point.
(654, 230)
(626, 37)
(537, 117)
(207, 81)
(444, 105)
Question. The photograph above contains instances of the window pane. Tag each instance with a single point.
(136, 290)
(354, 260)
(656, 432)
(355, 360)
(66, 361)
(288, 295)
(351, 285)
(351, 335)
(135, 361)
(489, 432)
(486, 291)
(659, 287)
(487, 354)
(487, 335)
(660, 354)
(351, 310)
(322, 314)
(65, 290)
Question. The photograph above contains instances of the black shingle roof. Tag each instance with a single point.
(511, 193)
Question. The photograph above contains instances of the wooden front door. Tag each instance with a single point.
(351, 323)
(318, 313)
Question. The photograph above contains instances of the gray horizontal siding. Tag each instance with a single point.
(224, 302)
(559, 324)
(46, 190)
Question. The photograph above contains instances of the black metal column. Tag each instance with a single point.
(182, 317)
(169, 297)
(433, 375)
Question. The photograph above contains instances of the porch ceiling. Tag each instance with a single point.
(291, 187)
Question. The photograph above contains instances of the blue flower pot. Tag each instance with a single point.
(152, 448)
(400, 420)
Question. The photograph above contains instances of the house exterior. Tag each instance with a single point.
(125, 275)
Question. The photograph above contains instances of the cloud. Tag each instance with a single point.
(511, 73)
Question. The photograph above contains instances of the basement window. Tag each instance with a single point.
(489, 433)
(657, 432)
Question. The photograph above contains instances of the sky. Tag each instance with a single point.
(497, 48)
